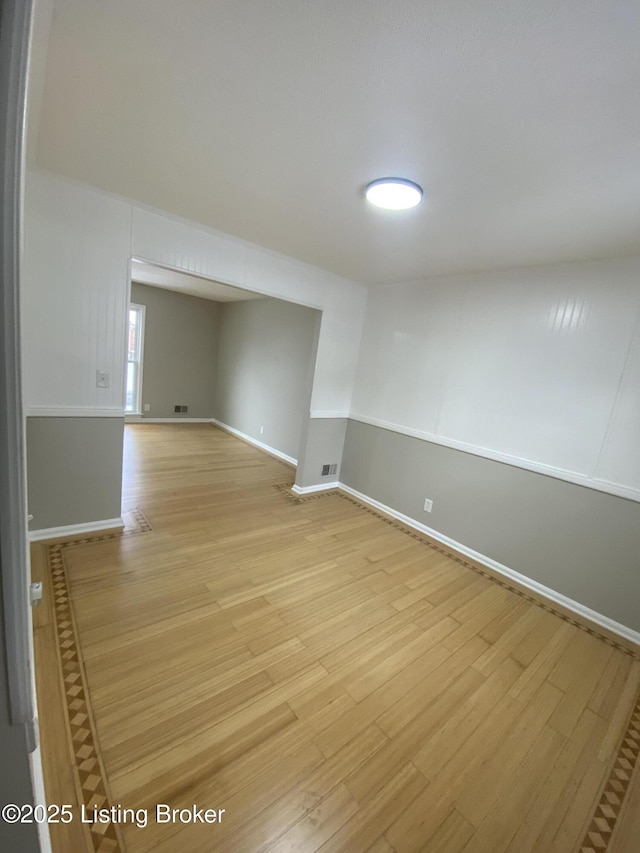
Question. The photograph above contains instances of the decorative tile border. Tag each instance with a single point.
(285, 489)
(140, 520)
(609, 807)
(91, 781)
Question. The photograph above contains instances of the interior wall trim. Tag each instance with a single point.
(321, 487)
(140, 419)
(328, 415)
(522, 580)
(617, 489)
(73, 412)
(271, 450)
(75, 529)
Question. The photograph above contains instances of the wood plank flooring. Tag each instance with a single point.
(329, 679)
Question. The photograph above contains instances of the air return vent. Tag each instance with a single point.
(328, 470)
(181, 409)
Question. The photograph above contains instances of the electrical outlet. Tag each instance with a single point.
(428, 505)
(147, 407)
(261, 430)
(102, 379)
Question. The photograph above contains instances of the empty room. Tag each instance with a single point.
(323, 498)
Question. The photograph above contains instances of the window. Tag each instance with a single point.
(135, 339)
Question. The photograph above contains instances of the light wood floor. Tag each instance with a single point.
(330, 681)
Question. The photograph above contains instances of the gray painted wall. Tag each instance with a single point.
(180, 352)
(323, 441)
(578, 541)
(265, 363)
(67, 481)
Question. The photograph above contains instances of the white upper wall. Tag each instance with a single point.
(74, 295)
(538, 367)
(78, 243)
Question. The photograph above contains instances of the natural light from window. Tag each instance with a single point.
(133, 398)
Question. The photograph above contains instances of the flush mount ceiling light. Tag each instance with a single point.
(394, 193)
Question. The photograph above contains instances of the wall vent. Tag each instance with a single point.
(181, 409)
(328, 470)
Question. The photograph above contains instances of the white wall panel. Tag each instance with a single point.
(523, 365)
(538, 364)
(620, 458)
(186, 246)
(410, 339)
(74, 295)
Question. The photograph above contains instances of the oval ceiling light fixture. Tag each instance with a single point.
(394, 193)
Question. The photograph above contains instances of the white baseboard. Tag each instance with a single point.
(140, 419)
(75, 529)
(309, 490)
(271, 450)
(499, 568)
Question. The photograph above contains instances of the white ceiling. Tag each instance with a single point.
(205, 288)
(265, 120)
